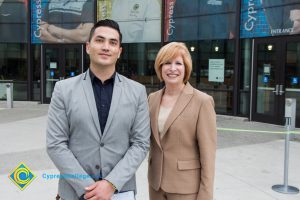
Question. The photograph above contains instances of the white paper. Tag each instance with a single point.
(53, 65)
(124, 196)
(216, 70)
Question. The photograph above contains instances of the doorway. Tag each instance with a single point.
(60, 62)
(276, 76)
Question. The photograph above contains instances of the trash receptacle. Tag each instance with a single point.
(9, 95)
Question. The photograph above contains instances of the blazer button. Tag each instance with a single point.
(101, 144)
(97, 167)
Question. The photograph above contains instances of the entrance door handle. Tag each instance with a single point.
(281, 91)
(276, 91)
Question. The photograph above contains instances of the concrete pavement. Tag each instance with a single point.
(247, 165)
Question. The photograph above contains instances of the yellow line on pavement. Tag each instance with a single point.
(256, 131)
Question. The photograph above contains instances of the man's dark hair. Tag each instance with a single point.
(107, 23)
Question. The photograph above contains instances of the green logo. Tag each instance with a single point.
(21, 176)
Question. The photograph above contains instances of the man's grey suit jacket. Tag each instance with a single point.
(76, 144)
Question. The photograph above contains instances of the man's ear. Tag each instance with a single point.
(87, 47)
(120, 52)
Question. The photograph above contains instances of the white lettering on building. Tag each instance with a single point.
(249, 25)
(171, 20)
(281, 31)
(37, 32)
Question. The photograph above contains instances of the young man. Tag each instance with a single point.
(98, 123)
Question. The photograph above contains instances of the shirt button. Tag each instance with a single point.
(97, 167)
(101, 144)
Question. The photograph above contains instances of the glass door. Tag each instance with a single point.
(268, 81)
(53, 69)
(60, 62)
(72, 61)
(292, 75)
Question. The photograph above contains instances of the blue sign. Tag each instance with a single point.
(72, 74)
(253, 20)
(37, 13)
(267, 18)
(294, 80)
(266, 79)
(51, 73)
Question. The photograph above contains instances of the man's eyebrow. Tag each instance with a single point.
(111, 39)
(114, 40)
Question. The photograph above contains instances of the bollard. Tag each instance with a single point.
(9, 95)
(290, 115)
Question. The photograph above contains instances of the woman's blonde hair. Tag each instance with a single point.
(171, 51)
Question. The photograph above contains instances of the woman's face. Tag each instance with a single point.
(173, 71)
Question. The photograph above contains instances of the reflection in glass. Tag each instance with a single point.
(137, 63)
(36, 72)
(52, 69)
(199, 20)
(13, 21)
(13, 66)
(266, 68)
(72, 62)
(204, 52)
(245, 70)
(292, 73)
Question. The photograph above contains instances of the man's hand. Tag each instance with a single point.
(101, 190)
(46, 36)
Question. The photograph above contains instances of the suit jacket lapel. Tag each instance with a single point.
(154, 116)
(89, 95)
(180, 104)
(114, 102)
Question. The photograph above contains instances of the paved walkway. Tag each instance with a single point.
(247, 165)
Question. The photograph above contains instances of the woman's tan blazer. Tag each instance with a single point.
(183, 161)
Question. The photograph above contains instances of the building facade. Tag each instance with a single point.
(246, 53)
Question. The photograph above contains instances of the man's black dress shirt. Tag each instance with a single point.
(103, 95)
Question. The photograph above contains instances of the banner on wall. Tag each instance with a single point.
(37, 8)
(261, 18)
(140, 21)
(13, 21)
(56, 21)
(199, 19)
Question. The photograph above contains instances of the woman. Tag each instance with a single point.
(183, 140)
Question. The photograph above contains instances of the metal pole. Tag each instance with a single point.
(285, 188)
(286, 154)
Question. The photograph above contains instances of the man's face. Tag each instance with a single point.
(104, 48)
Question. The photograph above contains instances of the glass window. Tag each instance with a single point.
(36, 75)
(213, 70)
(13, 66)
(292, 73)
(13, 20)
(199, 20)
(245, 70)
(137, 63)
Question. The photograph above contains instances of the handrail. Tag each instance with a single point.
(6, 81)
